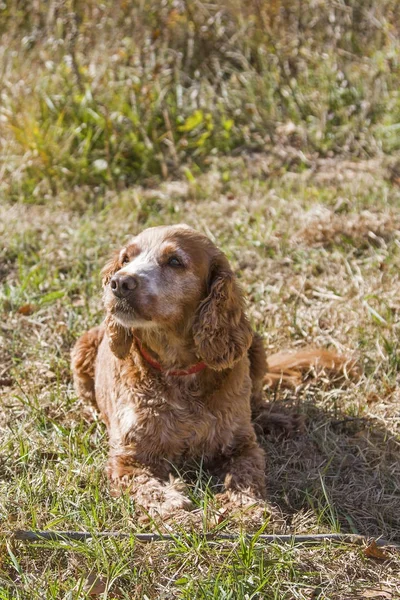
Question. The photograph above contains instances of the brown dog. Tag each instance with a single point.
(176, 370)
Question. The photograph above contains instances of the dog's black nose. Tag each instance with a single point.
(123, 285)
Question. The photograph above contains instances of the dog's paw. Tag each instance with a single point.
(174, 501)
(163, 501)
(119, 485)
(237, 499)
(243, 509)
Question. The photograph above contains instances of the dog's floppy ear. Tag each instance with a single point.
(120, 338)
(112, 266)
(222, 333)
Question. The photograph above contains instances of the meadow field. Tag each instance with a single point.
(274, 129)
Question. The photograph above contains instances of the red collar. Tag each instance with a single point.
(179, 373)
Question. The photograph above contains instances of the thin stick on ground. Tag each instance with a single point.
(82, 536)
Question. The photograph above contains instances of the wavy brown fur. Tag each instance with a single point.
(290, 368)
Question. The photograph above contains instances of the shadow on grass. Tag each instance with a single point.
(342, 472)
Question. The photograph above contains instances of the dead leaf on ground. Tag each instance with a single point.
(378, 593)
(217, 517)
(50, 374)
(95, 584)
(49, 455)
(373, 551)
(26, 309)
(78, 301)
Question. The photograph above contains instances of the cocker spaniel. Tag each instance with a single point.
(176, 370)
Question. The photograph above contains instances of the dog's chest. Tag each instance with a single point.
(178, 424)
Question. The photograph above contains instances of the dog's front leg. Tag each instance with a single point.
(153, 487)
(243, 472)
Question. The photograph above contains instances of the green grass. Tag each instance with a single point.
(103, 96)
(234, 571)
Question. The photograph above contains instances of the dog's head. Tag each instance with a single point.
(176, 278)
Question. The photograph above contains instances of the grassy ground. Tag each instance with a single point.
(272, 127)
(98, 96)
(318, 254)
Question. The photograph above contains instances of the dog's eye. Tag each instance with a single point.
(174, 261)
(125, 259)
